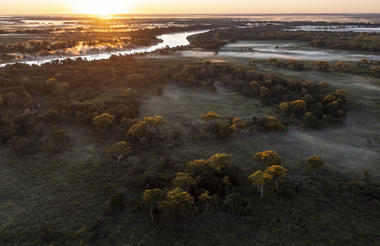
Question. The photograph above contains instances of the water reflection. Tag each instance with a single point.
(168, 41)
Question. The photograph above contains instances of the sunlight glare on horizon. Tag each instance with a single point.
(102, 7)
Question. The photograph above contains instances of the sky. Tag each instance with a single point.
(10, 7)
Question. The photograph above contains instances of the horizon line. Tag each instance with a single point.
(216, 14)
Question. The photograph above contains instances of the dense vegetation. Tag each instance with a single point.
(137, 188)
(215, 39)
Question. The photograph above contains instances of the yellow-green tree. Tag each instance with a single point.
(198, 167)
(138, 131)
(52, 82)
(284, 107)
(269, 157)
(277, 172)
(184, 180)
(238, 123)
(205, 200)
(219, 161)
(274, 124)
(209, 116)
(260, 179)
(152, 197)
(322, 65)
(298, 107)
(119, 150)
(178, 203)
(158, 121)
(103, 121)
(315, 163)
(61, 87)
(127, 91)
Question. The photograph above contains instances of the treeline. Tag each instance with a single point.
(36, 98)
(35, 101)
(333, 40)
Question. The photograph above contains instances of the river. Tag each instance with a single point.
(168, 40)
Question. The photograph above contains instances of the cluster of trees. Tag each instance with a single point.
(300, 101)
(86, 99)
(215, 184)
(225, 126)
(290, 64)
(362, 67)
(143, 131)
(215, 39)
(34, 102)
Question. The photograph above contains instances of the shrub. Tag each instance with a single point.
(315, 163)
(115, 202)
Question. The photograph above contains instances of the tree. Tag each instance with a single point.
(61, 87)
(119, 150)
(199, 167)
(277, 172)
(138, 131)
(52, 82)
(152, 197)
(183, 180)
(269, 157)
(364, 63)
(177, 204)
(259, 179)
(322, 65)
(237, 122)
(219, 161)
(158, 121)
(298, 107)
(103, 121)
(274, 124)
(127, 91)
(315, 163)
(375, 71)
(209, 116)
(284, 107)
(205, 200)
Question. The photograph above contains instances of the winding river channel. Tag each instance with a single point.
(168, 41)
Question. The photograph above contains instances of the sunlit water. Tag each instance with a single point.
(309, 28)
(168, 41)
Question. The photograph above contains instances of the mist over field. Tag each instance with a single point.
(192, 128)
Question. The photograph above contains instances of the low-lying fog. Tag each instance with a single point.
(350, 149)
(285, 50)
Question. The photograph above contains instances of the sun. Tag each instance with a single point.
(103, 7)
